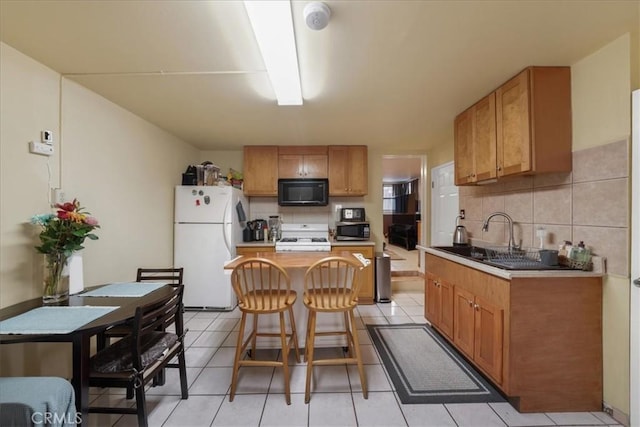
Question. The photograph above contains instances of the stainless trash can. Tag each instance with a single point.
(383, 277)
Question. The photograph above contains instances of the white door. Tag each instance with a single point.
(444, 205)
(634, 339)
(201, 250)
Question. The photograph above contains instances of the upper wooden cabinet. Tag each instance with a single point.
(302, 162)
(524, 127)
(346, 166)
(348, 170)
(260, 170)
(475, 136)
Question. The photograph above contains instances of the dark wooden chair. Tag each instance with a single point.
(171, 276)
(139, 357)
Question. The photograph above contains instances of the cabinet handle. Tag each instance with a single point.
(499, 168)
(477, 307)
(470, 303)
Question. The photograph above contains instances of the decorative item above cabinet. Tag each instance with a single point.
(523, 127)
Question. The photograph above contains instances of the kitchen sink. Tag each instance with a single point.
(479, 254)
(474, 252)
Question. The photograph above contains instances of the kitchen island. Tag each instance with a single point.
(537, 335)
(364, 247)
(296, 264)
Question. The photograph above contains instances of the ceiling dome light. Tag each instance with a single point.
(316, 15)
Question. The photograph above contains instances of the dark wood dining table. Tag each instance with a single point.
(80, 338)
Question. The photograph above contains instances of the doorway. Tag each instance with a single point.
(404, 201)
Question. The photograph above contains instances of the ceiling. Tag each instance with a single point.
(382, 73)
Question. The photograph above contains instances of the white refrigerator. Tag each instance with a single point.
(208, 224)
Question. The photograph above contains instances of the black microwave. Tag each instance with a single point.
(352, 231)
(303, 192)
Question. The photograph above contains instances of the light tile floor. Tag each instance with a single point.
(336, 401)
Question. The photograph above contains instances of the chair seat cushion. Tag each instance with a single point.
(118, 357)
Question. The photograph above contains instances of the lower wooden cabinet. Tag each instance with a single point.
(439, 303)
(367, 290)
(537, 338)
(478, 329)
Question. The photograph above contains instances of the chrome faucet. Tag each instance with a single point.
(512, 242)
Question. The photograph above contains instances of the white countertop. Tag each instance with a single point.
(507, 274)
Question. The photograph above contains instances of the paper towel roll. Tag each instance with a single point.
(76, 275)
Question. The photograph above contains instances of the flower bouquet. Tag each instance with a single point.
(63, 233)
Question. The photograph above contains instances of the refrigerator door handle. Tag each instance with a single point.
(226, 237)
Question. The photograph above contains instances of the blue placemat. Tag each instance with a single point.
(52, 320)
(134, 289)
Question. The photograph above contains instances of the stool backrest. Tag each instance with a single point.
(261, 284)
(333, 283)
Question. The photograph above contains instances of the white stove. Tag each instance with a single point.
(304, 238)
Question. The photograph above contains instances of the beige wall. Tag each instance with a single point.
(120, 167)
(601, 95)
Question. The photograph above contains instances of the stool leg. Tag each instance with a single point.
(255, 336)
(294, 334)
(347, 333)
(356, 346)
(285, 358)
(236, 359)
(309, 345)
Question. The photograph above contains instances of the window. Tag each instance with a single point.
(395, 197)
(388, 201)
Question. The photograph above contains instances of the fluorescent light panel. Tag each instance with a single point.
(273, 27)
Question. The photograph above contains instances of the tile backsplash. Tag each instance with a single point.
(591, 204)
(263, 207)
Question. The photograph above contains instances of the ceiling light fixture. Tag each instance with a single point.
(272, 24)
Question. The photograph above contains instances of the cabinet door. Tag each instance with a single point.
(484, 138)
(290, 166)
(348, 170)
(488, 338)
(302, 166)
(338, 167)
(463, 148)
(463, 325)
(513, 126)
(357, 169)
(432, 300)
(315, 166)
(260, 170)
(446, 308)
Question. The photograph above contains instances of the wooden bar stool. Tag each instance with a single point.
(263, 287)
(331, 285)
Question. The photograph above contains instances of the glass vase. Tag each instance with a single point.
(56, 279)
